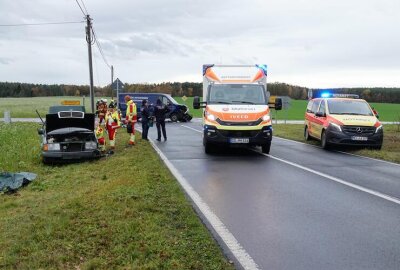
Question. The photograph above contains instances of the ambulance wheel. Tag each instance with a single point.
(208, 148)
(266, 148)
(306, 134)
(324, 143)
(174, 117)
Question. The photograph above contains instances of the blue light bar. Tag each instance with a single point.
(325, 95)
(263, 67)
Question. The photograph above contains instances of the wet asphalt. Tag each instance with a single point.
(286, 217)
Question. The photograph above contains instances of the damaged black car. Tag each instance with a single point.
(68, 134)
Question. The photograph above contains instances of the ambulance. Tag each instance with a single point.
(342, 119)
(235, 103)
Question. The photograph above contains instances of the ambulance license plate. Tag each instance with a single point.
(239, 140)
(357, 138)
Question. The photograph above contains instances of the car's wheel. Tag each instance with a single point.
(47, 161)
(306, 134)
(174, 117)
(266, 148)
(324, 142)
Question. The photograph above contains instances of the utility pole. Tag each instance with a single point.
(89, 42)
(112, 74)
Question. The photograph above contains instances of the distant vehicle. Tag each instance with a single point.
(68, 134)
(342, 120)
(178, 112)
(236, 111)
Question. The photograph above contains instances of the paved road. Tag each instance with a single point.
(299, 208)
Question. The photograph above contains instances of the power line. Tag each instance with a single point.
(84, 14)
(36, 24)
(100, 48)
(84, 7)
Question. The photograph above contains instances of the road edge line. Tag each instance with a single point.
(240, 254)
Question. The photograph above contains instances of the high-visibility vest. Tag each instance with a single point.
(115, 123)
(131, 112)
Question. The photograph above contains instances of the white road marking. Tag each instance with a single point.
(241, 255)
(338, 180)
(192, 128)
(342, 152)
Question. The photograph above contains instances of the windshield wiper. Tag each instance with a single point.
(222, 102)
(241, 101)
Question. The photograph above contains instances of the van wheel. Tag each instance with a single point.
(266, 148)
(377, 147)
(306, 134)
(174, 117)
(324, 144)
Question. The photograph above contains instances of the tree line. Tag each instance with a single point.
(189, 89)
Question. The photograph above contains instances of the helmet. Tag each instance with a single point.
(112, 105)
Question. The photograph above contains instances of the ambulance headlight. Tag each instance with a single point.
(210, 116)
(90, 145)
(379, 128)
(266, 117)
(51, 147)
(335, 126)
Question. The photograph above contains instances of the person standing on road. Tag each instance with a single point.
(112, 124)
(159, 112)
(145, 112)
(131, 118)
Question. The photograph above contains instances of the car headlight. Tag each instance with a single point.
(266, 117)
(210, 116)
(336, 126)
(51, 147)
(379, 128)
(90, 145)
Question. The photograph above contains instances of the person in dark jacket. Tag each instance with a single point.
(145, 113)
(159, 111)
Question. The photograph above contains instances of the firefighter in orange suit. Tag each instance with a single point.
(131, 118)
(100, 137)
(112, 123)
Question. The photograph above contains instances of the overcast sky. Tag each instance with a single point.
(310, 43)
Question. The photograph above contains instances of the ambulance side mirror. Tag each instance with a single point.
(278, 104)
(40, 131)
(197, 104)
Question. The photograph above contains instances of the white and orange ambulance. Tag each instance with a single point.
(235, 102)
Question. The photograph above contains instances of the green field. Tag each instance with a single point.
(25, 107)
(122, 212)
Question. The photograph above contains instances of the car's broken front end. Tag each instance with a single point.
(68, 136)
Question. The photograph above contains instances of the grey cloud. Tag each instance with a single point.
(5, 61)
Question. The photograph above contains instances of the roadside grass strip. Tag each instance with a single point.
(122, 212)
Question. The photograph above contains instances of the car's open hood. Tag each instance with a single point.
(53, 122)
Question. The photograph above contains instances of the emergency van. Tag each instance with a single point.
(235, 102)
(342, 120)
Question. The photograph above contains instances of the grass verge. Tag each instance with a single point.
(126, 211)
(390, 150)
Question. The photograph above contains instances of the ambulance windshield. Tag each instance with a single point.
(351, 107)
(236, 94)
